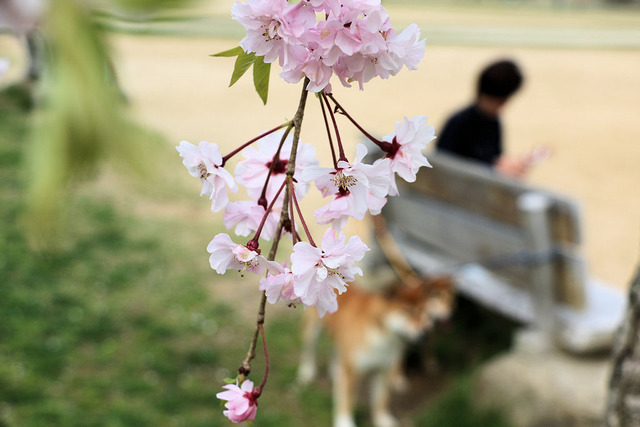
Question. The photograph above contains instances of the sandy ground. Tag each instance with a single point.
(584, 103)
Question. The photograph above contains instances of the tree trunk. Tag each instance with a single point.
(623, 404)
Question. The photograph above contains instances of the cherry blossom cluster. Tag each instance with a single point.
(312, 40)
(352, 39)
(314, 273)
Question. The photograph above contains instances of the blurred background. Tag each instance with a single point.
(110, 312)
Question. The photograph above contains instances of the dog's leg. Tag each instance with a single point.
(344, 393)
(380, 399)
(310, 332)
(397, 378)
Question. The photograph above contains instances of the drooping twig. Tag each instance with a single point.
(274, 162)
(304, 224)
(326, 125)
(385, 146)
(253, 243)
(266, 360)
(251, 141)
(292, 217)
(245, 368)
(335, 129)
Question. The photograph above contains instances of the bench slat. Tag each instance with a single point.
(476, 188)
(463, 237)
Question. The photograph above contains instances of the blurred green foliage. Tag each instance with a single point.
(148, 6)
(106, 330)
(80, 118)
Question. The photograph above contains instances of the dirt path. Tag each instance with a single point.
(584, 103)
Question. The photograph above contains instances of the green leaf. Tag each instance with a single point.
(261, 78)
(243, 62)
(231, 52)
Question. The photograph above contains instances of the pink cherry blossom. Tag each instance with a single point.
(252, 172)
(369, 179)
(363, 31)
(342, 207)
(367, 184)
(274, 28)
(322, 39)
(323, 297)
(242, 402)
(280, 286)
(228, 255)
(407, 46)
(408, 141)
(326, 6)
(338, 211)
(204, 161)
(399, 50)
(312, 66)
(246, 217)
(319, 272)
(385, 52)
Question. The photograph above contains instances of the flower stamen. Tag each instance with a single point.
(202, 169)
(343, 182)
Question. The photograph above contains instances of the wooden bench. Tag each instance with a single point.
(510, 246)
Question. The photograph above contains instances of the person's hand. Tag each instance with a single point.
(538, 154)
(512, 166)
(517, 167)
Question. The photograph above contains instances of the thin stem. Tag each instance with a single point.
(292, 217)
(246, 144)
(335, 128)
(297, 122)
(276, 159)
(382, 144)
(266, 360)
(326, 125)
(253, 243)
(304, 224)
(245, 368)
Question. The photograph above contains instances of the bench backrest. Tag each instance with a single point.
(468, 213)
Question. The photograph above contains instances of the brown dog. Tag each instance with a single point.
(370, 333)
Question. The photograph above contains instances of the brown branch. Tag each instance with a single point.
(251, 141)
(245, 368)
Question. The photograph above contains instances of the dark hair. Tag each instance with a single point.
(500, 79)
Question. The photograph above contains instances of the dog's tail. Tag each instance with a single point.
(392, 252)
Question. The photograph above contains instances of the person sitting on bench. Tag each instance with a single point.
(475, 132)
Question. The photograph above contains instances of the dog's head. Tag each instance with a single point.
(417, 307)
(440, 298)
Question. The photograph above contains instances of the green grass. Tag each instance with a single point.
(119, 325)
(455, 408)
(106, 330)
